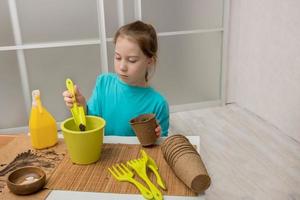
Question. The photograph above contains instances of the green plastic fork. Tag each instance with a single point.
(122, 173)
(139, 166)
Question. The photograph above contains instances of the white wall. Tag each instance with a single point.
(264, 61)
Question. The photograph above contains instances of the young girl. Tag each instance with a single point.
(118, 97)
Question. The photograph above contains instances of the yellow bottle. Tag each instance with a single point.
(42, 125)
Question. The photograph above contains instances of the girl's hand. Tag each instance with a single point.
(68, 98)
(158, 131)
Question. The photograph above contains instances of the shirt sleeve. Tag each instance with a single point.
(163, 118)
(94, 103)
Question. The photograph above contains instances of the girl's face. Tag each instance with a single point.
(130, 62)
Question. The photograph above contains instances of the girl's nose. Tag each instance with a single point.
(123, 67)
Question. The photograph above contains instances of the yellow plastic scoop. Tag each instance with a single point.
(77, 111)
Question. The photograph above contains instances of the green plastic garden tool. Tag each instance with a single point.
(152, 165)
(77, 111)
(122, 173)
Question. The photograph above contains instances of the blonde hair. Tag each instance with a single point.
(144, 35)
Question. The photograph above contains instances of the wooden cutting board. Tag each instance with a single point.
(96, 177)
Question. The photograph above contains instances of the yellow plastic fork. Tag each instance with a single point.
(139, 167)
(122, 173)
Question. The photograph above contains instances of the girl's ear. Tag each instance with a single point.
(150, 61)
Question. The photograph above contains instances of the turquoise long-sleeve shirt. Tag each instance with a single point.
(117, 103)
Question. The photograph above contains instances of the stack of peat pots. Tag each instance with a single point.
(186, 162)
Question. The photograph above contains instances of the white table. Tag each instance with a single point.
(72, 195)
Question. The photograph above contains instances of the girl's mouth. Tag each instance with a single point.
(123, 76)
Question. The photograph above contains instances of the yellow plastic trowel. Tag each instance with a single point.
(150, 163)
(77, 111)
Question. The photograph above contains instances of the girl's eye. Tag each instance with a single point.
(117, 58)
(132, 61)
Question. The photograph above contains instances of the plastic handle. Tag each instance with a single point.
(158, 177)
(70, 87)
(143, 190)
(156, 193)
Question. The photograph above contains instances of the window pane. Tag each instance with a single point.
(13, 111)
(179, 15)
(129, 11)
(48, 70)
(192, 76)
(112, 15)
(110, 55)
(56, 20)
(6, 33)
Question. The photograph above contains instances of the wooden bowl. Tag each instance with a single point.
(26, 180)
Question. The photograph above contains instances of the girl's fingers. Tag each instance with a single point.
(158, 134)
(69, 105)
(158, 129)
(67, 94)
(68, 100)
